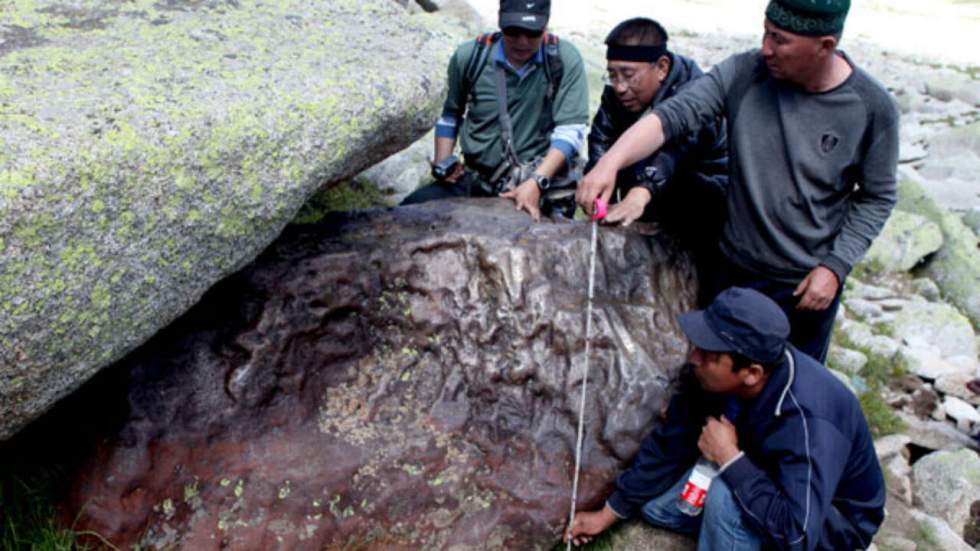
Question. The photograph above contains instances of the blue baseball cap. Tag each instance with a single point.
(739, 320)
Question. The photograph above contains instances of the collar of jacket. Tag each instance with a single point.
(772, 399)
(501, 58)
(679, 73)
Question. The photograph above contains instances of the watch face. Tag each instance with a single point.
(543, 181)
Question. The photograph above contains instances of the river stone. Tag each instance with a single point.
(899, 472)
(637, 535)
(952, 171)
(926, 288)
(892, 445)
(934, 435)
(911, 152)
(904, 241)
(965, 415)
(403, 172)
(860, 335)
(926, 362)
(462, 11)
(947, 483)
(972, 219)
(858, 289)
(855, 332)
(407, 377)
(845, 360)
(955, 384)
(898, 543)
(940, 534)
(151, 148)
(956, 266)
(947, 88)
(938, 324)
(865, 310)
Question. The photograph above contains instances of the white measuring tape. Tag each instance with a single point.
(599, 212)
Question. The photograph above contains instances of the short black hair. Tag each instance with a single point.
(638, 31)
(740, 362)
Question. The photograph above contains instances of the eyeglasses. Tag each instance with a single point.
(631, 79)
(518, 31)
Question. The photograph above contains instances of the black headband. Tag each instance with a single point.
(635, 53)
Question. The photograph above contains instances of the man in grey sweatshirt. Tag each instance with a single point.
(813, 149)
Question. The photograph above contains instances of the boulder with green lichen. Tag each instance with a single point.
(947, 483)
(148, 149)
(956, 266)
(904, 241)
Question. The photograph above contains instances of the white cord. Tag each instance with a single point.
(585, 381)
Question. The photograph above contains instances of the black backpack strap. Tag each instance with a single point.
(503, 116)
(553, 66)
(476, 63)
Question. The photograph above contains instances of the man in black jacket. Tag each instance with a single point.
(797, 466)
(689, 176)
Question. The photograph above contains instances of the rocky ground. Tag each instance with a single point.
(906, 340)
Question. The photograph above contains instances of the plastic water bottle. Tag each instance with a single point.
(691, 501)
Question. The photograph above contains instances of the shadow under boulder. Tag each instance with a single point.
(393, 379)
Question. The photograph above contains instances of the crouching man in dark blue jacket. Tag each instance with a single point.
(797, 467)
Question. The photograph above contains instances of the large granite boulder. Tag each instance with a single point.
(952, 170)
(938, 324)
(956, 266)
(400, 379)
(151, 148)
(904, 241)
(947, 484)
(401, 174)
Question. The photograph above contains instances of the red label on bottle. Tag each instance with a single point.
(693, 495)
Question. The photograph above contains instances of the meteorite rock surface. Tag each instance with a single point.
(395, 379)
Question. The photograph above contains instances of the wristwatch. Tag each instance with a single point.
(543, 181)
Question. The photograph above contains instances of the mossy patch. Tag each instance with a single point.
(882, 420)
(876, 374)
(925, 538)
(346, 196)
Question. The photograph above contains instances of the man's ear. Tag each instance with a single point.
(828, 45)
(753, 374)
(663, 68)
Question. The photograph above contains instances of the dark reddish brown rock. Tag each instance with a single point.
(400, 379)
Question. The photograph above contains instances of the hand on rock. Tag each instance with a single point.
(526, 197)
(630, 208)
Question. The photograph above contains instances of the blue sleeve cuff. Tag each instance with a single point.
(447, 126)
(615, 512)
(566, 148)
(619, 506)
(568, 138)
(444, 132)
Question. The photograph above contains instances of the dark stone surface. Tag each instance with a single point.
(395, 379)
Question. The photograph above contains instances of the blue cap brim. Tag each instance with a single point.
(698, 332)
